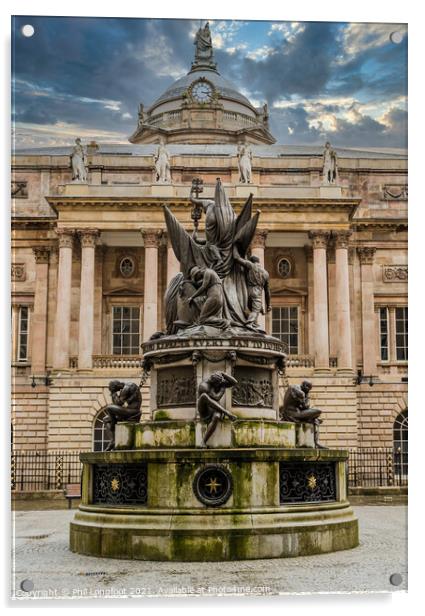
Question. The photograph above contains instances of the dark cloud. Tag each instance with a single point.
(133, 60)
(292, 126)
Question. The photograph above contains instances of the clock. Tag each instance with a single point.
(202, 92)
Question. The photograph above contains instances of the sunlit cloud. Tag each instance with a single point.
(260, 53)
(360, 37)
(61, 133)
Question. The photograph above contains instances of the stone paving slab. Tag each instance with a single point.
(41, 555)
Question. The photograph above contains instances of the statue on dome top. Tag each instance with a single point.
(204, 48)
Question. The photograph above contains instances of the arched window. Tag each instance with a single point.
(400, 444)
(101, 435)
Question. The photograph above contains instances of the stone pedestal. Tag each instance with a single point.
(244, 190)
(330, 192)
(162, 190)
(212, 505)
(180, 364)
(260, 489)
(184, 434)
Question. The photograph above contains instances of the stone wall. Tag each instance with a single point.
(378, 407)
(29, 413)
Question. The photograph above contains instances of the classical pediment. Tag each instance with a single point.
(277, 287)
(120, 291)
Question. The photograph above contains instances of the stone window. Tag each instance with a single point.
(285, 326)
(400, 432)
(383, 333)
(101, 435)
(127, 267)
(125, 330)
(401, 333)
(23, 333)
(284, 267)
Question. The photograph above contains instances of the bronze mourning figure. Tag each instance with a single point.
(126, 403)
(210, 392)
(296, 408)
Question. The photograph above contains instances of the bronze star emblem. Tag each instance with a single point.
(311, 482)
(115, 484)
(213, 485)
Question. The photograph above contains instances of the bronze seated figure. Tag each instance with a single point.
(296, 408)
(210, 391)
(126, 403)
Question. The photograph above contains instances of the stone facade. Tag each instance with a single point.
(85, 253)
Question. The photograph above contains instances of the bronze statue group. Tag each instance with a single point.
(219, 289)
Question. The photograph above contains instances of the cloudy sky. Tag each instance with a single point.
(346, 82)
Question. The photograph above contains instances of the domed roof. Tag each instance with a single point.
(181, 115)
(180, 86)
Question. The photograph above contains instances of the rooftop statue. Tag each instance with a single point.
(330, 168)
(244, 163)
(162, 163)
(79, 162)
(204, 48)
(217, 284)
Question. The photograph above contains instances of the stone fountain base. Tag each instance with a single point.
(212, 505)
(260, 489)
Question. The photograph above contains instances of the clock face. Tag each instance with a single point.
(202, 92)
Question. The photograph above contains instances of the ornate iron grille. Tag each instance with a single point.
(304, 482)
(120, 484)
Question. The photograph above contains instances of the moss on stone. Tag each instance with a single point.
(161, 416)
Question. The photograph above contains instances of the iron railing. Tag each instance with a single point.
(33, 471)
(377, 467)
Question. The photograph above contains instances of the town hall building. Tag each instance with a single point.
(91, 261)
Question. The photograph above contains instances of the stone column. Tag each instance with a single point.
(342, 300)
(63, 300)
(85, 338)
(309, 346)
(151, 240)
(173, 266)
(321, 327)
(258, 246)
(39, 317)
(366, 256)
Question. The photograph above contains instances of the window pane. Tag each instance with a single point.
(401, 315)
(126, 326)
(23, 328)
(285, 326)
(383, 324)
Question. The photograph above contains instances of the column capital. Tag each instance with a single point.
(41, 254)
(66, 237)
(366, 254)
(319, 238)
(341, 238)
(259, 239)
(88, 237)
(151, 237)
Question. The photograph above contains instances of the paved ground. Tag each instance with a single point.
(41, 555)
